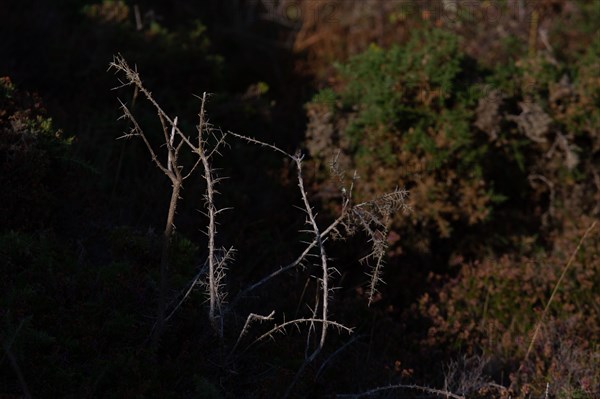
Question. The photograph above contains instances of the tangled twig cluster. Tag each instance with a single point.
(371, 217)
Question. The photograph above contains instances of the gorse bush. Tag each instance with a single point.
(545, 120)
(408, 110)
(475, 145)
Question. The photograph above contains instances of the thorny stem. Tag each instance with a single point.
(211, 241)
(433, 391)
(215, 266)
(323, 254)
(297, 261)
(164, 264)
(211, 230)
(172, 170)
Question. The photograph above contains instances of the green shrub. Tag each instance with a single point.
(408, 111)
(34, 161)
(475, 146)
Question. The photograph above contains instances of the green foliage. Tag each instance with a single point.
(409, 107)
(404, 85)
(326, 97)
(422, 107)
(35, 161)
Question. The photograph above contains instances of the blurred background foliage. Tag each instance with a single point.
(488, 112)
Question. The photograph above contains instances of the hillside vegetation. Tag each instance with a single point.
(310, 198)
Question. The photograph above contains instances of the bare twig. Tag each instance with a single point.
(369, 213)
(324, 267)
(466, 376)
(555, 290)
(251, 318)
(17, 369)
(136, 131)
(262, 144)
(318, 241)
(372, 213)
(165, 261)
(215, 269)
(172, 170)
(133, 79)
(433, 391)
(295, 263)
(395, 200)
(6, 346)
(282, 328)
(211, 231)
(372, 216)
(187, 292)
